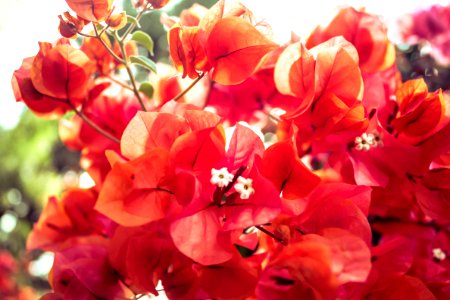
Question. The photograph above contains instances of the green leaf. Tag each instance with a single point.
(144, 39)
(132, 20)
(99, 26)
(147, 89)
(144, 62)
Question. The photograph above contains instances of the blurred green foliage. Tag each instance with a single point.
(31, 167)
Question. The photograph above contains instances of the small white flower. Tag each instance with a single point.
(368, 141)
(439, 254)
(364, 142)
(244, 187)
(221, 177)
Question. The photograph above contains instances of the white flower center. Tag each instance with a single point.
(221, 177)
(439, 254)
(244, 187)
(367, 141)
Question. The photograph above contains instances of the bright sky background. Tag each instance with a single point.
(25, 22)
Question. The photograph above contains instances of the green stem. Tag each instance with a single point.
(130, 74)
(138, 17)
(98, 36)
(87, 35)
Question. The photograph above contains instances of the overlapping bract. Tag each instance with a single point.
(223, 42)
(55, 80)
(350, 200)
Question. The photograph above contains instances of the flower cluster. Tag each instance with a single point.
(202, 185)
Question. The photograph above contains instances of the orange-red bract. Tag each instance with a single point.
(285, 170)
(314, 267)
(337, 70)
(148, 130)
(142, 254)
(233, 279)
(433, 195)
(138, 192)
(294, 75)
(81, 270)
(365, 31)
(72, 215)
(230, 46)
(332, 115)
(40, 104)
(419, 112)
(211, 246)
(187, 53)
(62, 71)
(91, 10)
(234, 48)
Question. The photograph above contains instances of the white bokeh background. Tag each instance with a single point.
(25, 22)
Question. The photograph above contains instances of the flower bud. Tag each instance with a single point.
(117, 21)
(69, 26)
(155, 3)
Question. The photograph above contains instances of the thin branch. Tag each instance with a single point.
(177, 97)
(130, 74)
(123, 84)
(271, 234)
(103, 30)
(86, 35)
(95, 126)
(98, 36)
(138, 17)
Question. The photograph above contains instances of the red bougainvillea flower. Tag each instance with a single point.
(139, 191)
(336, 205)
(328, 82)
(112, 107)
(430, 25)
(91, 10)
(281, 165)
(149, 130)
(81, 270)
(295, 75)
(61, 71)
(250, 100)
(40, 104)
(141, 255)
(314, 266)
(8, 267)
(365, 31)
(72, 215)
(418, 250)
(55, 80)
(419, 112)
(104, 61)
(329, 70)
(433, 194)
(245, 199)
(223, 42)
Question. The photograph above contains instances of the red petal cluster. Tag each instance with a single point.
(54, 81)
(338, 189)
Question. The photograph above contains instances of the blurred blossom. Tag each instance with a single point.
(8, 222)
(430, 27)
(41, 266)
